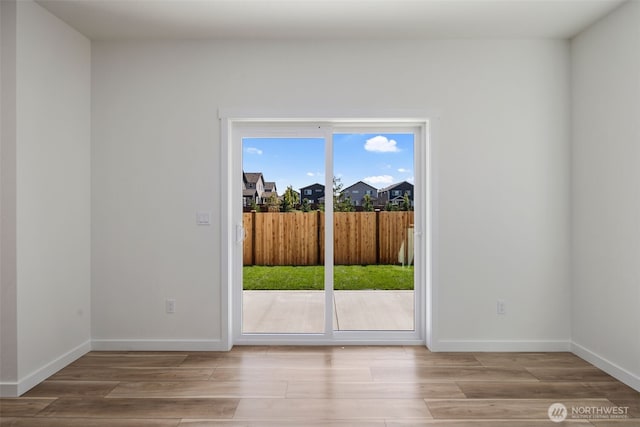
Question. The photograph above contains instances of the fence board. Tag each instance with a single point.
(247, 251)
(297, 238)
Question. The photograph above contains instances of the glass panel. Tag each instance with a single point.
(373, 231)
(283, 252)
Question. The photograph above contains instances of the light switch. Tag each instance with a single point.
(203, 218)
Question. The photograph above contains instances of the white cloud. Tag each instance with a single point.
(403, 170)
(381, 144)
(380, 179)
(310, 174)
(253, 150)
(411, 180)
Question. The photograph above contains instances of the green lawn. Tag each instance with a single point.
(346, 277)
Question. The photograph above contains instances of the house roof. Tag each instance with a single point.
(312, 185)
(363, 183)
(270, 186)
(249, 192)
(253, 177)
(392, 186)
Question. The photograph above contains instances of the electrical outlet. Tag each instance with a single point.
(170, 305)
(501, 307)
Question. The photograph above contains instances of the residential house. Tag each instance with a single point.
(253, 188)
(270, 189)
(357, 192)
(314, 193)
(395, 193)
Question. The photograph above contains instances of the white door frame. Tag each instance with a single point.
(237, 124)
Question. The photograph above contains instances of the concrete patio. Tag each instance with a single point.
(303, 311)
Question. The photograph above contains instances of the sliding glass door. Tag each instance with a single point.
(283, 219)
(373, 238)
(327, 221)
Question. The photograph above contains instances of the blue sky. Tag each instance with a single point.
(379, 159)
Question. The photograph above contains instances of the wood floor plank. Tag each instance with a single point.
(204, 389)
(141, 408)
(207, 360)
(437, 373)
(52, 388)
(372, 390)
(272, 362)
(416, 350)
(395, 352)
(505, 409)
(530, 390)
(484, 423)
(613, 390)
(582, 374)
(281, 423)
(318, 386)
(139, 353)
(86, 422)
(131, 360)
(330, 409)
(532, 360)
(433, 359)
(22, 407)
(291, 374)
(91, 373)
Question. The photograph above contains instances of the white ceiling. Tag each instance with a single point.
(328, 19)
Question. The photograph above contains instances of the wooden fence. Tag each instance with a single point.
(297, 238)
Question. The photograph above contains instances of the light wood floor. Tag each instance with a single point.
(318, 386)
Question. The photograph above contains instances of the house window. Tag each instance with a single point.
(369, 192)
(318, 190)
(308, 192)
(397, 192)
(355, 191)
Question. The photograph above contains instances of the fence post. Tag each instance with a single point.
(377, 236)
(318, 238)
(253, 237)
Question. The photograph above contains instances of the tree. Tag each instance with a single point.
(406, 203)
(255, 206)
(341, 202)
(388, 207)
(273, 204)
(337, 190)
(367, 203)
(290, 199)
(306, 207)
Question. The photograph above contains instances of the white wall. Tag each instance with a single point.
(502, 156)
(605, 62)
(8, 298)
(52, 173)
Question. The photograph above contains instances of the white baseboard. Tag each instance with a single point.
(23, 385)
(618, 372)
(158, 345)
(9, 389)
(501, 345)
